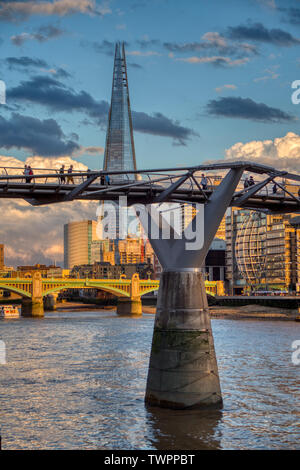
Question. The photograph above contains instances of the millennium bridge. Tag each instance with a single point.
(157, 186)
(183, 370)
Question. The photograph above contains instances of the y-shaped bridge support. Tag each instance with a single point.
(183, 370)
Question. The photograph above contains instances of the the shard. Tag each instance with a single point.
(119, 148)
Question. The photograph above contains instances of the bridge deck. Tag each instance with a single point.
(151, 186)
(46, 193)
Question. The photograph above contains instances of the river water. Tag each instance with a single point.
(76, 380)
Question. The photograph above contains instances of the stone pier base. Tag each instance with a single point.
(32, 308)
(183, 371)
(50, 302)
(128, 306)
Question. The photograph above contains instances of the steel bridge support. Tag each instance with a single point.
(183, 371)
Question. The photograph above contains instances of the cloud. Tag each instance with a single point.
(134, 65)
(291, 15)
(104, 47)
(258, 32)
(225, 87)
(35, 234)
(28, 63)
(282, 152)
(44, 137)
(271, 75)
(160, 125)
(215, 60)
(146, 42)
(143, 54)
(25, 61)
(213, 43)
(20, 11)
(56, 96)
(92, 150)
(43, 34)
(59, 72)
(245, 108)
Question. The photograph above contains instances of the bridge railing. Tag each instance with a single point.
(285, 189)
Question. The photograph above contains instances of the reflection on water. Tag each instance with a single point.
(185, 430)
(77, 380)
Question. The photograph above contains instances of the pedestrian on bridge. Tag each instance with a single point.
(30, 173)
(203, 181)
(62, 178)
(26, 173)
(70, 177)
(251, 181)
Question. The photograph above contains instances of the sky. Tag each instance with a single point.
(208, 80)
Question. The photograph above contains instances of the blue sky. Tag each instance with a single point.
(213, 73)
(207, 80)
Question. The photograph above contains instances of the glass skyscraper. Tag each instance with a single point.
(119, 149)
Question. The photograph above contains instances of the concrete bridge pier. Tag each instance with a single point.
(34, 306)
(183, 371)
(131, 305)
(50, 302)
(127, 306)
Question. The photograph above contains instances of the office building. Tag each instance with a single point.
(261, 252)
(78, 238)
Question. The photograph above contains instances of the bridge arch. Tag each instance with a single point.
(112, 290)
(16, 290)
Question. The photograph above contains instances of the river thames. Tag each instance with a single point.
(76, 380)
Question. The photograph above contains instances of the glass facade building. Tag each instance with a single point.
(262, 252)
(78, 237)
(119, 148)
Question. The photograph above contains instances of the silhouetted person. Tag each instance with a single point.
(246, 182)
(26, 173)
(251, 181)
(203, 181)
(61, 173)
(70, 177)
(30, 172)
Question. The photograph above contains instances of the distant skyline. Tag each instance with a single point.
(207, 80)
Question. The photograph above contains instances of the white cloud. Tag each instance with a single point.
(12, 11)
(35, 234)
(226, 87)
(282, 153)
(215, 39)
